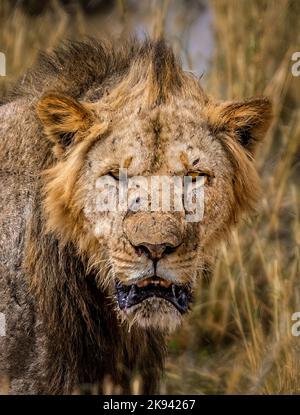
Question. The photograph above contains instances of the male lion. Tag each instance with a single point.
(89, 293)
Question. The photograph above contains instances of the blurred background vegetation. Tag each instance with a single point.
(238, 337)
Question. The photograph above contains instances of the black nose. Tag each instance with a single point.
(155, 251)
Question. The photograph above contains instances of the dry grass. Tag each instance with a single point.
(238, 337)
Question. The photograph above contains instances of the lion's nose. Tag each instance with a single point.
(155, 251)
(153, 234)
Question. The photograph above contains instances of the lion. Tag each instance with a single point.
(89, 293)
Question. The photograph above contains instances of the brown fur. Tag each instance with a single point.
(79, 97)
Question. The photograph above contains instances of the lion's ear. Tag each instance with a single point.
(63, 117)
(248, 120)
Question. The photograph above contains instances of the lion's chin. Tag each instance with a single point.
(155, 313)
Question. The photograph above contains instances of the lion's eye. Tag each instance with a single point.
(195, 174)
(114, 174)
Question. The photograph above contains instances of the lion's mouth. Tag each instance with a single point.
(129, 295)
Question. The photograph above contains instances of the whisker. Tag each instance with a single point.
(129, 261)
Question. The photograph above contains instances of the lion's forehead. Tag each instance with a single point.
(159, 139)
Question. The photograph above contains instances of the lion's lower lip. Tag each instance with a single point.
(130, 295)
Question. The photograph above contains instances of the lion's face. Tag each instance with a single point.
(154, 256)
(149, 258)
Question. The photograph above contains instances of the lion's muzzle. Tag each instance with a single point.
(154, 236)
